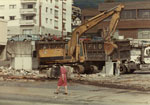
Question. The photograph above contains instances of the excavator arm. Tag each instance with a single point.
(77, 33)
(108, 43)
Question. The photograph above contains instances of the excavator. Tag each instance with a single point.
(78, 32)
(85, 55)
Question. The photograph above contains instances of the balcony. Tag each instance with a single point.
(28, 1)
(28, 11)
(27, 22)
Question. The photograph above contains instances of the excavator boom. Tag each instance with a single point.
(77, 33)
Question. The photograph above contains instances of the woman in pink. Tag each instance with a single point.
(62, 80)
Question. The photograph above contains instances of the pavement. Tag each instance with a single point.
(140, 80)
(42, 93)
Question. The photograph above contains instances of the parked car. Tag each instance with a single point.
(24, 37)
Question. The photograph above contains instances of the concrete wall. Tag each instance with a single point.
(19, 49)
(13, 30)
(20, 54)
(3, 32)
(3, 39)
(2, 52)
(22, 63)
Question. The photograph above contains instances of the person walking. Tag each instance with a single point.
(62, 80)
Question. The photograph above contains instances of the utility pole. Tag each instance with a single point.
(62, 22)
(40, 22)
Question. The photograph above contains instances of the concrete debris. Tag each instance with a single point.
(12, 72)
(54, 72)
(69, 71)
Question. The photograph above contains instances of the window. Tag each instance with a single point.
(29, 17)
(64, 6)
(12, 6)
(56, 14)
(56, 24)
(2, 6)
(128, 14)
(12, 17)
(46, 9)
(56, 3)
(64, 26)
(30, 6)
(51, 21)
(64, 16)
(1, 17)
(51, 11)
(46, 20)
(144, 14)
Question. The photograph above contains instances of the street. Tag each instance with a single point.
(42, 93)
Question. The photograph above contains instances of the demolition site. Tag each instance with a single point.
(107, 58)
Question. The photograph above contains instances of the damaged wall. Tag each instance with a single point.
(3, 32)
(20, 54)
(2, 52)
(3, 38)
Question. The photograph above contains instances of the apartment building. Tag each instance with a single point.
(134, 22)
(37, 16)
(135, 19)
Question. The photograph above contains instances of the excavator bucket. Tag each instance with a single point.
(109, 47)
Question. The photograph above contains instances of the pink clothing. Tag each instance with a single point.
(60, 81)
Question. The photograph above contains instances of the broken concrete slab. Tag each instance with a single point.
(18, 72)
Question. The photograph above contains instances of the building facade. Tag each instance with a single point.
(134, 22)
(87, 14)
(37, 16)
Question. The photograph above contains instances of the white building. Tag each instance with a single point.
(37, 16)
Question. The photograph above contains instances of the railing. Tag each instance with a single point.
(27, 22)
(28, 1)
(28, 11)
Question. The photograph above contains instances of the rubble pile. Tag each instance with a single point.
(52, 72)
(137, 81)
(69, 72)
(9, 71)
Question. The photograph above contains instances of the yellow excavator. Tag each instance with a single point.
(81, 53)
